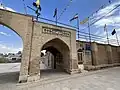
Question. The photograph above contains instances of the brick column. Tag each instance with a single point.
(26, 54)
(73, 62)
(34, 64)
(94, 52)
(109, 54)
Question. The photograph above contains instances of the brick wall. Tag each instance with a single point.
(102, 54)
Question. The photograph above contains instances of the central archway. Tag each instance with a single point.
(60, 54)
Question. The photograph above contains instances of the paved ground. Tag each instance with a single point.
(107, 79)
(9, 67)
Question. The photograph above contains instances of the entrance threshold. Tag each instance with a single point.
(52, 74)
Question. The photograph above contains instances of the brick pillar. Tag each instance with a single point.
(34, 64)
(109, 54)
(73, 62)
(94, 54)
(23, 77)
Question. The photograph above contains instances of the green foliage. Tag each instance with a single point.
(3, 60)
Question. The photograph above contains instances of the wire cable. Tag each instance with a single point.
(24, 6)
(102, 16)
(68, 5)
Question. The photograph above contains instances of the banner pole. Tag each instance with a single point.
(56, 15)
(78, 27)
(105, 29)
(89, 31)
(107, 36)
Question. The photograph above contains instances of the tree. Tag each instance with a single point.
(19, 52)
(5, 55)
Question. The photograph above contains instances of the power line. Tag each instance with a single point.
(57, 22)
(102, 16)
(91, 34)
(101, 7)
(105, 15)
(69, 26)
(93, 39)
(24, 6)
(65, 9)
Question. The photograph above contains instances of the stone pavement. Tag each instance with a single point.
(9, 67)
(107, 79)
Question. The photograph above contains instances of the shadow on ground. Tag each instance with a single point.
(11, 77)
(50, 74)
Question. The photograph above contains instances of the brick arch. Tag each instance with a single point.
(8, 26)
(53, 38)
(46, 44)
(62, 47)
(15, 21)
(33, 39)
(23, 26)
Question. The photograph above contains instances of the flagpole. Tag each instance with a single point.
(76, 17)
(89, 31)
(56, 18)
(117, 39)
(24, 7)
(37, 14)
(78, 27)
(90, 37)
(107, 36)
(105, 29)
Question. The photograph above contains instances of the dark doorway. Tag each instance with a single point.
(59, 55)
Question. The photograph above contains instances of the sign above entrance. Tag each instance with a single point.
(54, 31)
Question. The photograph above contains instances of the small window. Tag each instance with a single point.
(80, 58)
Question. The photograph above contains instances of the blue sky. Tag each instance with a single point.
(11, 42)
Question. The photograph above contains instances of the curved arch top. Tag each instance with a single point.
(63, 39)
(57, 43)
(23, 26)
(35, 35)
(15, 21)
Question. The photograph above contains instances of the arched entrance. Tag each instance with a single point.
(60, 55)
(35, 35)
(22, 25)
(11, 46)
